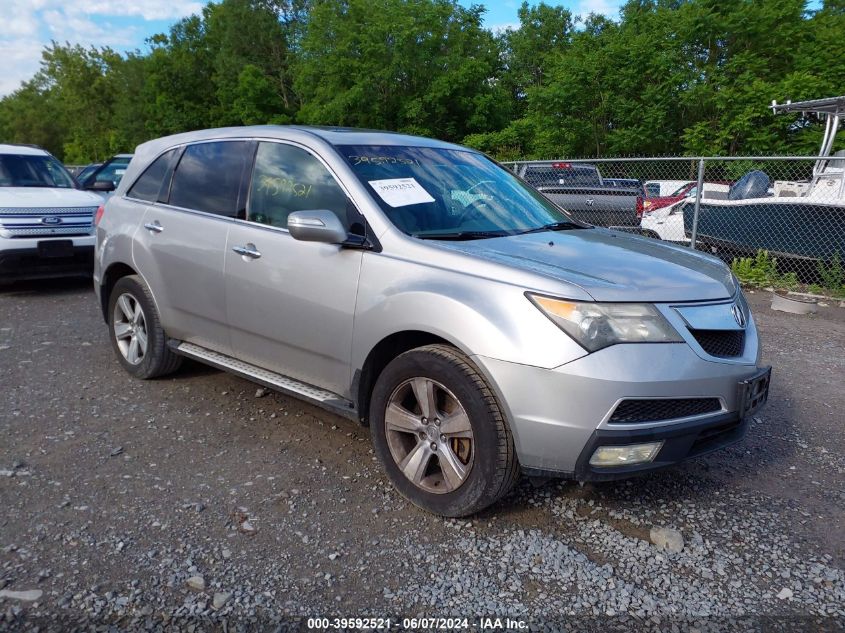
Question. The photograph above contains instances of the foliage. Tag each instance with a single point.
(420, 66)
(832, 277)
(668, 77)
(761, 271)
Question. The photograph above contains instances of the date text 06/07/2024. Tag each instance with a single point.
(417, 623)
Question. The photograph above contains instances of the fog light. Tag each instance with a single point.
(625, 455)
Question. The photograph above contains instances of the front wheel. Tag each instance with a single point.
(440, 433)
(136, 333)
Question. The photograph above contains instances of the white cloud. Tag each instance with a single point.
(66, 27)
(28, 25)
(20, 61)
(504, 26)
(607, 8)
(146, 9)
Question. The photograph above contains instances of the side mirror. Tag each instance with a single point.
(102, 185)
(319, 225)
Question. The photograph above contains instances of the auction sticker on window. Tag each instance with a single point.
(400, 192)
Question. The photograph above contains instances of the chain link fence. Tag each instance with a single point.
(787, 214)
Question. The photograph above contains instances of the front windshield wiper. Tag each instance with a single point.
(553, 226)
(461, 235)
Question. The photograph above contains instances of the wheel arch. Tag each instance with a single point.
(380, 356)
(113, 274)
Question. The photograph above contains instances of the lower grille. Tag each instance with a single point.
(631, 411)
(721, 343)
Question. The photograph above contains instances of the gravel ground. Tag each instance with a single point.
(202, 500)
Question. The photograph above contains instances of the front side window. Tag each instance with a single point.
(209, 175)
(111, 171)
(287, 179)
(149, 185)
(25, 170)
(436, 193)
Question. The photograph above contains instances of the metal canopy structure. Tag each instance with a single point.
(832, 109)
(830, 105)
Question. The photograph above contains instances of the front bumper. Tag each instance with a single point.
(560, 416)
(46, 258)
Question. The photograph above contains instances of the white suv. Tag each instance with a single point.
(46, 223)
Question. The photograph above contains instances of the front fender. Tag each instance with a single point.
(478, 315)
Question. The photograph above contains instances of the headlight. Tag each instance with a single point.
(598, 325)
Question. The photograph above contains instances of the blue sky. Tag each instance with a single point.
(504, 13)
(125, 24)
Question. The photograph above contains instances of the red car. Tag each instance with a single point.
(684, 191)
(658, 202)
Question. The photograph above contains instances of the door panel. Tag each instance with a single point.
(183, 265)
(291, 310)
(181, 245)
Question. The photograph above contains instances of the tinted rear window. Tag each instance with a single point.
(549, 176)
(149, 185)
(209, 176)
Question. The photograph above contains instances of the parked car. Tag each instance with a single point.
(658, 188)
(666, 222)
(631, 183)
(687, 190)
(422, 289)
(45, 221)
(106, 177)
(580, 190)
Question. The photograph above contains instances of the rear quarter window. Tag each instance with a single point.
(149, 186)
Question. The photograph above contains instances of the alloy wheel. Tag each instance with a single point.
(429, 435)
(130, 328)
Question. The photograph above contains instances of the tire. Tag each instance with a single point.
(135, 331)
(472, 430)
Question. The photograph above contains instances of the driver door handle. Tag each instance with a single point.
(248, 250)
(154, 227)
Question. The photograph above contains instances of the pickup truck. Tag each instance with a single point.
(579, 189)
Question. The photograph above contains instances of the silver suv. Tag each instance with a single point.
(426, 291)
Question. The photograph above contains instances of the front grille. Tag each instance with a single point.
(721, 343)
(19, 222)
(630, 411)
(42, 211)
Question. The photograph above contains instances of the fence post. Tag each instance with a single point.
(698, 193)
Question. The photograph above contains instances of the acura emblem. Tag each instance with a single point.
(51, 219)
(739, 317)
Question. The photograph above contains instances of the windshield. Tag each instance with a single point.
(450, 194)
(24, 170)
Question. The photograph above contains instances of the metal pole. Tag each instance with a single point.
(698, 192)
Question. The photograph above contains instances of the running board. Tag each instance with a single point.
(288, 386)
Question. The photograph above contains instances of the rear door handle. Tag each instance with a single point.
(155, 227)
(249, 250)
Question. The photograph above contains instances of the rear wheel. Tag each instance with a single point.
(136, 333)
(440, 433)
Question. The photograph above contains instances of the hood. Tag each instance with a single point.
(47, 197)
(609, 265)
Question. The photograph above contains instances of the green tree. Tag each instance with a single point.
(179, 90)
(251, 45)
(422, 66)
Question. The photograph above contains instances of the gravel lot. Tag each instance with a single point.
(201, 498)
